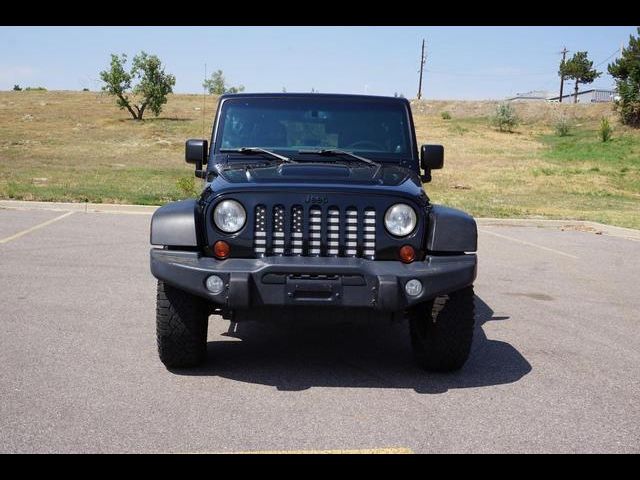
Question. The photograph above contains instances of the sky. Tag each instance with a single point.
(467, 63)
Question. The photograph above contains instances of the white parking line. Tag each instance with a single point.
(523, 242)
(366, 451)
(36, 227)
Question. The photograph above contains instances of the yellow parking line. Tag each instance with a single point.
(523, 242)
(36, 227)
(390, 450)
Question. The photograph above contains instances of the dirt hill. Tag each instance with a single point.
(78, 146)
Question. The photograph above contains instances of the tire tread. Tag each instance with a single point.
(181, 327)
(441, 340)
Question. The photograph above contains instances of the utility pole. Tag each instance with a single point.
(564, 54)
(204, 96)
(423, 59)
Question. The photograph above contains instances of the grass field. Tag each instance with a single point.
(78, 146)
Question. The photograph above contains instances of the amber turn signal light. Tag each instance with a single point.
(407, 254)
(221, 249)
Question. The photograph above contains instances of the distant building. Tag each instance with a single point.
(593, 95)
(532, 96)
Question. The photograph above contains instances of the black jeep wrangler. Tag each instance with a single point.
(313, 205)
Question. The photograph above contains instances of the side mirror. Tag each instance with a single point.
(196, 152)
(431, 158)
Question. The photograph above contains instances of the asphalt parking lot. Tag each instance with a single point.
(554, 366)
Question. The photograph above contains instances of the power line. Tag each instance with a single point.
(609, 57)
(506, 74)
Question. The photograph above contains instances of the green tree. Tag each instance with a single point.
(217, 84)
(17, 88)
(580, 69)
(626, 71)
(151, 88)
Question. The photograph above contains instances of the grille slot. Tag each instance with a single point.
(351, 235)
(369, 234)
(297, 232)
(278, 230)
(333, 232)
(315, 231)
(260, 231)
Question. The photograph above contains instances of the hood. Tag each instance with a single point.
(358, 179)
(318, 173)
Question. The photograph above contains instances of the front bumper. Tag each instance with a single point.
(313, 281)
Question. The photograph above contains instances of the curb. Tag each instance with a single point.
(79, 207)
(586, 225)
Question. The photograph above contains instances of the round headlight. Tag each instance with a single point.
(400, 220)
(229, 216)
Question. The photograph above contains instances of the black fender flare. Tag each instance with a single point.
(174, 224)
(451, 230)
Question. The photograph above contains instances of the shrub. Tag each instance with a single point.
(36, 89)
(445, 115)
(605, 130)
(562, 126)
(17, 88)
(187, 186)
(629, 111)
(505, 118)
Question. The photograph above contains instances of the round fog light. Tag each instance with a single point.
(413, 287)
(215, 284)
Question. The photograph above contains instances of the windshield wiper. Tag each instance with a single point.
(249, 150)
(335, 152)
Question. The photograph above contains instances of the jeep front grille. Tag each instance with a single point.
(314, 231)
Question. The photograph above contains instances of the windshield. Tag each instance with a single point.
(374, 129)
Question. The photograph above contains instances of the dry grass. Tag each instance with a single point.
(491, 173)
(528, 111)
(79, 146)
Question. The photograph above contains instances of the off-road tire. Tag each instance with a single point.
(181, 327)
(442, 331)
